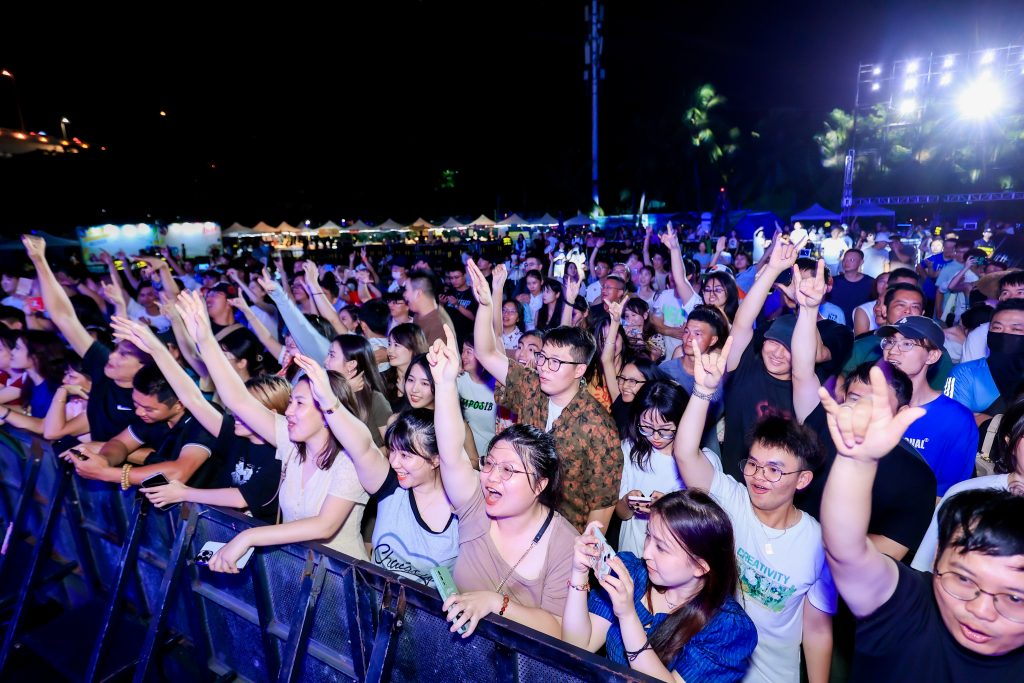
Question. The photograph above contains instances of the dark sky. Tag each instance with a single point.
(308, 113)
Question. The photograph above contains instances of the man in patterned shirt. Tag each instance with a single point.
(555, 399)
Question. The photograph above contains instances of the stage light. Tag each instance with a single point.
(877, 71)
(910, 84)
(912, 67)
(875, 87)
(947, 63)
(946, 79)
(907, 107)
(988, 57)
(980, 100)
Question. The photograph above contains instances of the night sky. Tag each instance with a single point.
(308, 114)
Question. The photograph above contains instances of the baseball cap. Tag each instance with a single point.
(224, 288)
(781, 330)
(915, 327)
(882, 237)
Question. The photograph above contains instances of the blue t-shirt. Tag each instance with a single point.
(938, 261)
(971, 384)
(42, 397)
(718, 653)
(947, 437)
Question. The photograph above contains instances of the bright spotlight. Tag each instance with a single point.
(980, 100)
(875, 87)
(908, 107)
(947, 63)
(912, 67)
(988, 57)
(946, 79)
(910, 84)
(877, 71)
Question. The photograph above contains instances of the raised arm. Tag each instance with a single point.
(371, 465)
(55, 424)
(184, 388)
(809, 294)
(719, 248)
(320, 302)
(230, 387)
(684, 290)
(647, 246)
(172, 262)
(572, 290)
(309, 341)
(783, 256)
(490, 356)
(458, 477)
(364, 257)
(499, 274)
(55, 299)
(126, 266)
(286, 287)
(863, 432)
(611, 379)
(708, 371)
(258, 328)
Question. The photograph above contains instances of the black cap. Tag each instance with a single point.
(915, 327)
(224, 288)
(781, 330)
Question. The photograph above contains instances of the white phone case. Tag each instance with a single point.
(211, 547)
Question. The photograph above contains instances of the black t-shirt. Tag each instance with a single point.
(849, 295)
(750, 394)
(168, 444)
(902, 496)
(621, 414)
(110, 408)
(906, 640)
(251, 468)
(463, 325)
(838, 339)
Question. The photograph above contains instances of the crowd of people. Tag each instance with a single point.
(802, 454)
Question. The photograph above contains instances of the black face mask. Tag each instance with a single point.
(1005, 344)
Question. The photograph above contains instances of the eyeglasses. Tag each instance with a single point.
(666, 434)
(771, 473)
(554, 363)
(629, 382)
(965, 588)
(505, 470)
(714, 290)
(904, 345)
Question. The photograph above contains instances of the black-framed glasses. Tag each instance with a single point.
(904, 345)
(714, 290)
(629, 382)
(552, 362)
(772, 473)
(965, 588)
(666, 434)
(505, 470)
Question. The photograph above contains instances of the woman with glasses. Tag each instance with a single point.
(719, 290)
(512, 560)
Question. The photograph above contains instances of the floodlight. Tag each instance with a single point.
(912, 66)
(947, 63)
(877, 70)
(908, 106)
(910, 84)
(988, 57)
(946, 79)
(875, 87)
(980, 100)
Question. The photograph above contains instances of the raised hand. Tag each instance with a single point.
(784, 254)
(499, 274)
(572, 290)
(670, 239)
(106, 258)
(615, 310)
(240, 304)
(867, 429)
(192, 308)
(444, 358)
(318, 381)
(720, 245)
(479, 283)
(35, 246)
(809, 292)
(138, 334)
(113, 294)
(600, 242)
(709, 368)
(268, 283)
(311, 273)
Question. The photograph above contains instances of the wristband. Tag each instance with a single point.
(124, 476)
(336, 407)
(700, 394)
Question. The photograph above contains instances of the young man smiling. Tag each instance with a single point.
(962, 622)
(556, 400)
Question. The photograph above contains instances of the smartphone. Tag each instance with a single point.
(211, 547)
(24, 286)
(446, 587)
(639, 499)
(606, 553)
(78, 454)
(157, 479)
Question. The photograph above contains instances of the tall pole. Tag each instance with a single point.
(17, 100)
(594, 73)
(851, 155)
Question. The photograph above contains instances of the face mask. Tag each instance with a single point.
(1006, 344)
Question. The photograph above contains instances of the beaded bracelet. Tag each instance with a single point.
(585, 588)
(124, 476)
(697, 393)
(504, 605)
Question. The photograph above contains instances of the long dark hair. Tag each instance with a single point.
(667, 399)
(354, 347)
(421, 361)
(243, 345)
(544, 321)
(732, 292)
(341, 389)
(1008, 437)
(704, 531)
(411, 337)
(50, 356)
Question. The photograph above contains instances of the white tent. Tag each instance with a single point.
(482, 221)
(547, 220)
(579, 219)
(390, 225)
(422, 224)
(360, 226)
(236, 229)
(514, 219)
(285, 228)
(452, 224)
(264, 229)
(330, 225)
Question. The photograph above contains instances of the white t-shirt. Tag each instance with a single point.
(661, 475)
(302, 500)
(536, 302)
(874, 261)
(830, 311)
(479, 409)
(976, 346)
(869, 310)
(510, 340)
(379, 343)
(929, 544)
(773, 585)
(832, 249)
(137, 312)
(674, 313)
(593, 291)
(554, 410)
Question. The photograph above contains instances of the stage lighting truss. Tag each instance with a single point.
(977, 85)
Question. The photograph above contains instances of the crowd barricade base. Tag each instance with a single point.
(135, 605)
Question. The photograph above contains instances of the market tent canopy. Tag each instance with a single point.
(264, 229)
(422, 224)
(390, 225)
(236, 229)
(51, 241)
(284, 227)
(579, 219)
(816, 212)
(330, 225)
(514, 219)
(546, 219)
(360, 226)
(452, 224)
(482, 221)
(873, 210)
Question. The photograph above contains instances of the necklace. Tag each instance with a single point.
(768, 549)
(535, 541)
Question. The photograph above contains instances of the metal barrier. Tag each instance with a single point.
(297, 612)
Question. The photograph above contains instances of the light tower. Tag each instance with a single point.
(594, 14)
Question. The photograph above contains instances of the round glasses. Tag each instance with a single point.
(554, 363)
(771, 473)
(904, 345)
(713, 290)
(666, 434)
(629, 382)
(965, 588)
(505, 470)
